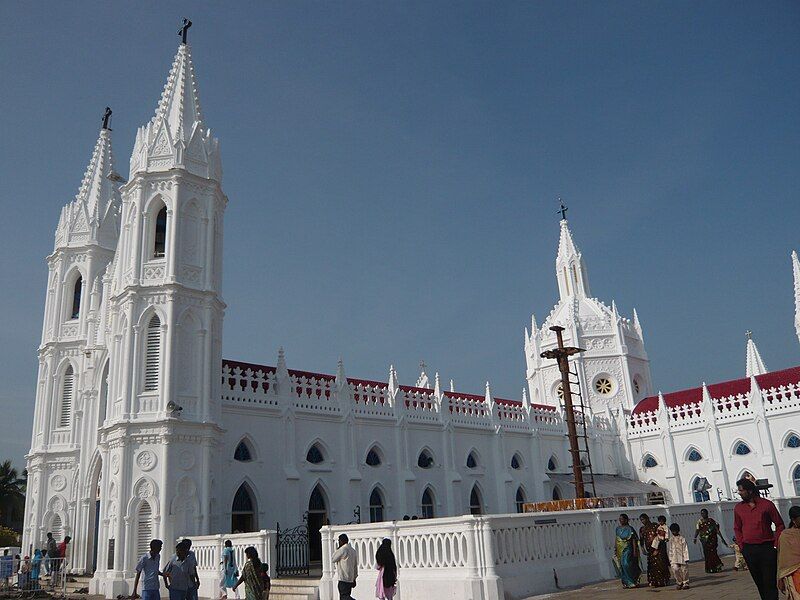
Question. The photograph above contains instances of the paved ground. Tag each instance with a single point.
(728, 585)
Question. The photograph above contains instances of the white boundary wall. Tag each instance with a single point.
(504, 556)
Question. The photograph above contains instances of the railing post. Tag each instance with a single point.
(600, 547)
(473, 549)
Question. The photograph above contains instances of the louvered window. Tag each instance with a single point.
(57, 528)
(67, 392)
(152, 351)
(144, 528)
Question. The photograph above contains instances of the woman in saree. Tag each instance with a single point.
(251, 576)
(657, 561)
(789, 557)
(708, 531)
(626, 553)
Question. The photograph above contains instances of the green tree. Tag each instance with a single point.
(12, 494)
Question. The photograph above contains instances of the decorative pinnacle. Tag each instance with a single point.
(748, 334)
(183, 31)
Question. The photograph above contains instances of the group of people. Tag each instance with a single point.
(761, 544)
(181, 578)
(28, 572)
(346, 560)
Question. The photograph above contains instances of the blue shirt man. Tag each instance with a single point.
(148, 564)
(180, 574)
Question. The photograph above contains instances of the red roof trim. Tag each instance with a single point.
(717, 391)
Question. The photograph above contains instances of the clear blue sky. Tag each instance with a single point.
(392, 170)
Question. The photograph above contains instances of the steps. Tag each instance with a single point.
(295, 588)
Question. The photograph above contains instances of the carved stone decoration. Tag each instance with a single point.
(144, 489)
(186, 460)
(58, 482)
(115, 463)
(57, 504)
(146, 460)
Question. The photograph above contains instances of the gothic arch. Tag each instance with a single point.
(378, 449)
(248, 441)
(144, 489)
(239, 518)
(552, 463)
(320, 485)
(689, 450)
(477, 504)
(67, 388)
(188, 329)
(787, 436)
(147, 314)
(520, 497)
(323, 447)
(151, 203)
(744, 473)
(476, 457)
(430, 454)
(794, 477)
(95, 468)
(649, 461)
(378, 503)
(735, 445)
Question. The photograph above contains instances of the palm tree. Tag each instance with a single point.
(12, 493)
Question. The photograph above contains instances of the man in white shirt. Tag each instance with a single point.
(149, 565)
(346, 561)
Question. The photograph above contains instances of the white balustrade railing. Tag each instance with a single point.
(504, 556)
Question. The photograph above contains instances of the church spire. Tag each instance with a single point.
(796, 273)
(93, 216)
(570, 268)
(176, 136)
(754, 365)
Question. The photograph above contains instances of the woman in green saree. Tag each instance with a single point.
(626, 553)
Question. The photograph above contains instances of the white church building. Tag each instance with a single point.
(142, 429)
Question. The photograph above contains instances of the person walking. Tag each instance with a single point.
(708, 531)
(149, 564)
(346, 560)
(626, 553)
(753, 519)
(386, 584)
(52, 552)
(678, 552)
(252, 576)
(230, 573)
(178, 573)
(789, 557)
(657, 562)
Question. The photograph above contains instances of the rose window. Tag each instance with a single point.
(603, 386)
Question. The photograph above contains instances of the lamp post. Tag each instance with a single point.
(562, 354)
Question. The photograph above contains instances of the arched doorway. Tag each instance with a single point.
(317, 517)
(93, 525)
(243, 511)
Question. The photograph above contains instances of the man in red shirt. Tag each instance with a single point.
(753, 519)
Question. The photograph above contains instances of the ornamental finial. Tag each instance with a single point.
(749, 334)
(106, 117)
(183, 31)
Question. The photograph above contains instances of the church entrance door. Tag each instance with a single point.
(317, 517)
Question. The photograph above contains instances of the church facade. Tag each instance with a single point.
(142, 430)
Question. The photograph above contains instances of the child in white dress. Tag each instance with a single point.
(678, 552)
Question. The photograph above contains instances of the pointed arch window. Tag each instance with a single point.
(144, 528)
(315, 455)
(552, 465)
(57, 527)
(793, 441)
(556, 493)
(67, 393)
(152, 354)
(425, 460)
(742, 449)
(243, 453)
(796, 480)
(376, 506)
(243, 511)
(160, 234)
(316, 501)
(516, 462)
(472, 461)
(427, 504)
(373, 457)
(519, 500)
(475, 503)
(77, 292)
(694, 455)
(649, 462)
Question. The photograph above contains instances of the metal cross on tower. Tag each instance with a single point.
(106, 117)
(563, 210)
(183, 31)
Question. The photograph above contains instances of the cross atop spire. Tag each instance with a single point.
(563, 210)
(183, 31)
(106, 117)
(754, 365)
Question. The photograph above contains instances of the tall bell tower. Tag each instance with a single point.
(165, 324)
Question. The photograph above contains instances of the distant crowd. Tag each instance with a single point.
(45, 568)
